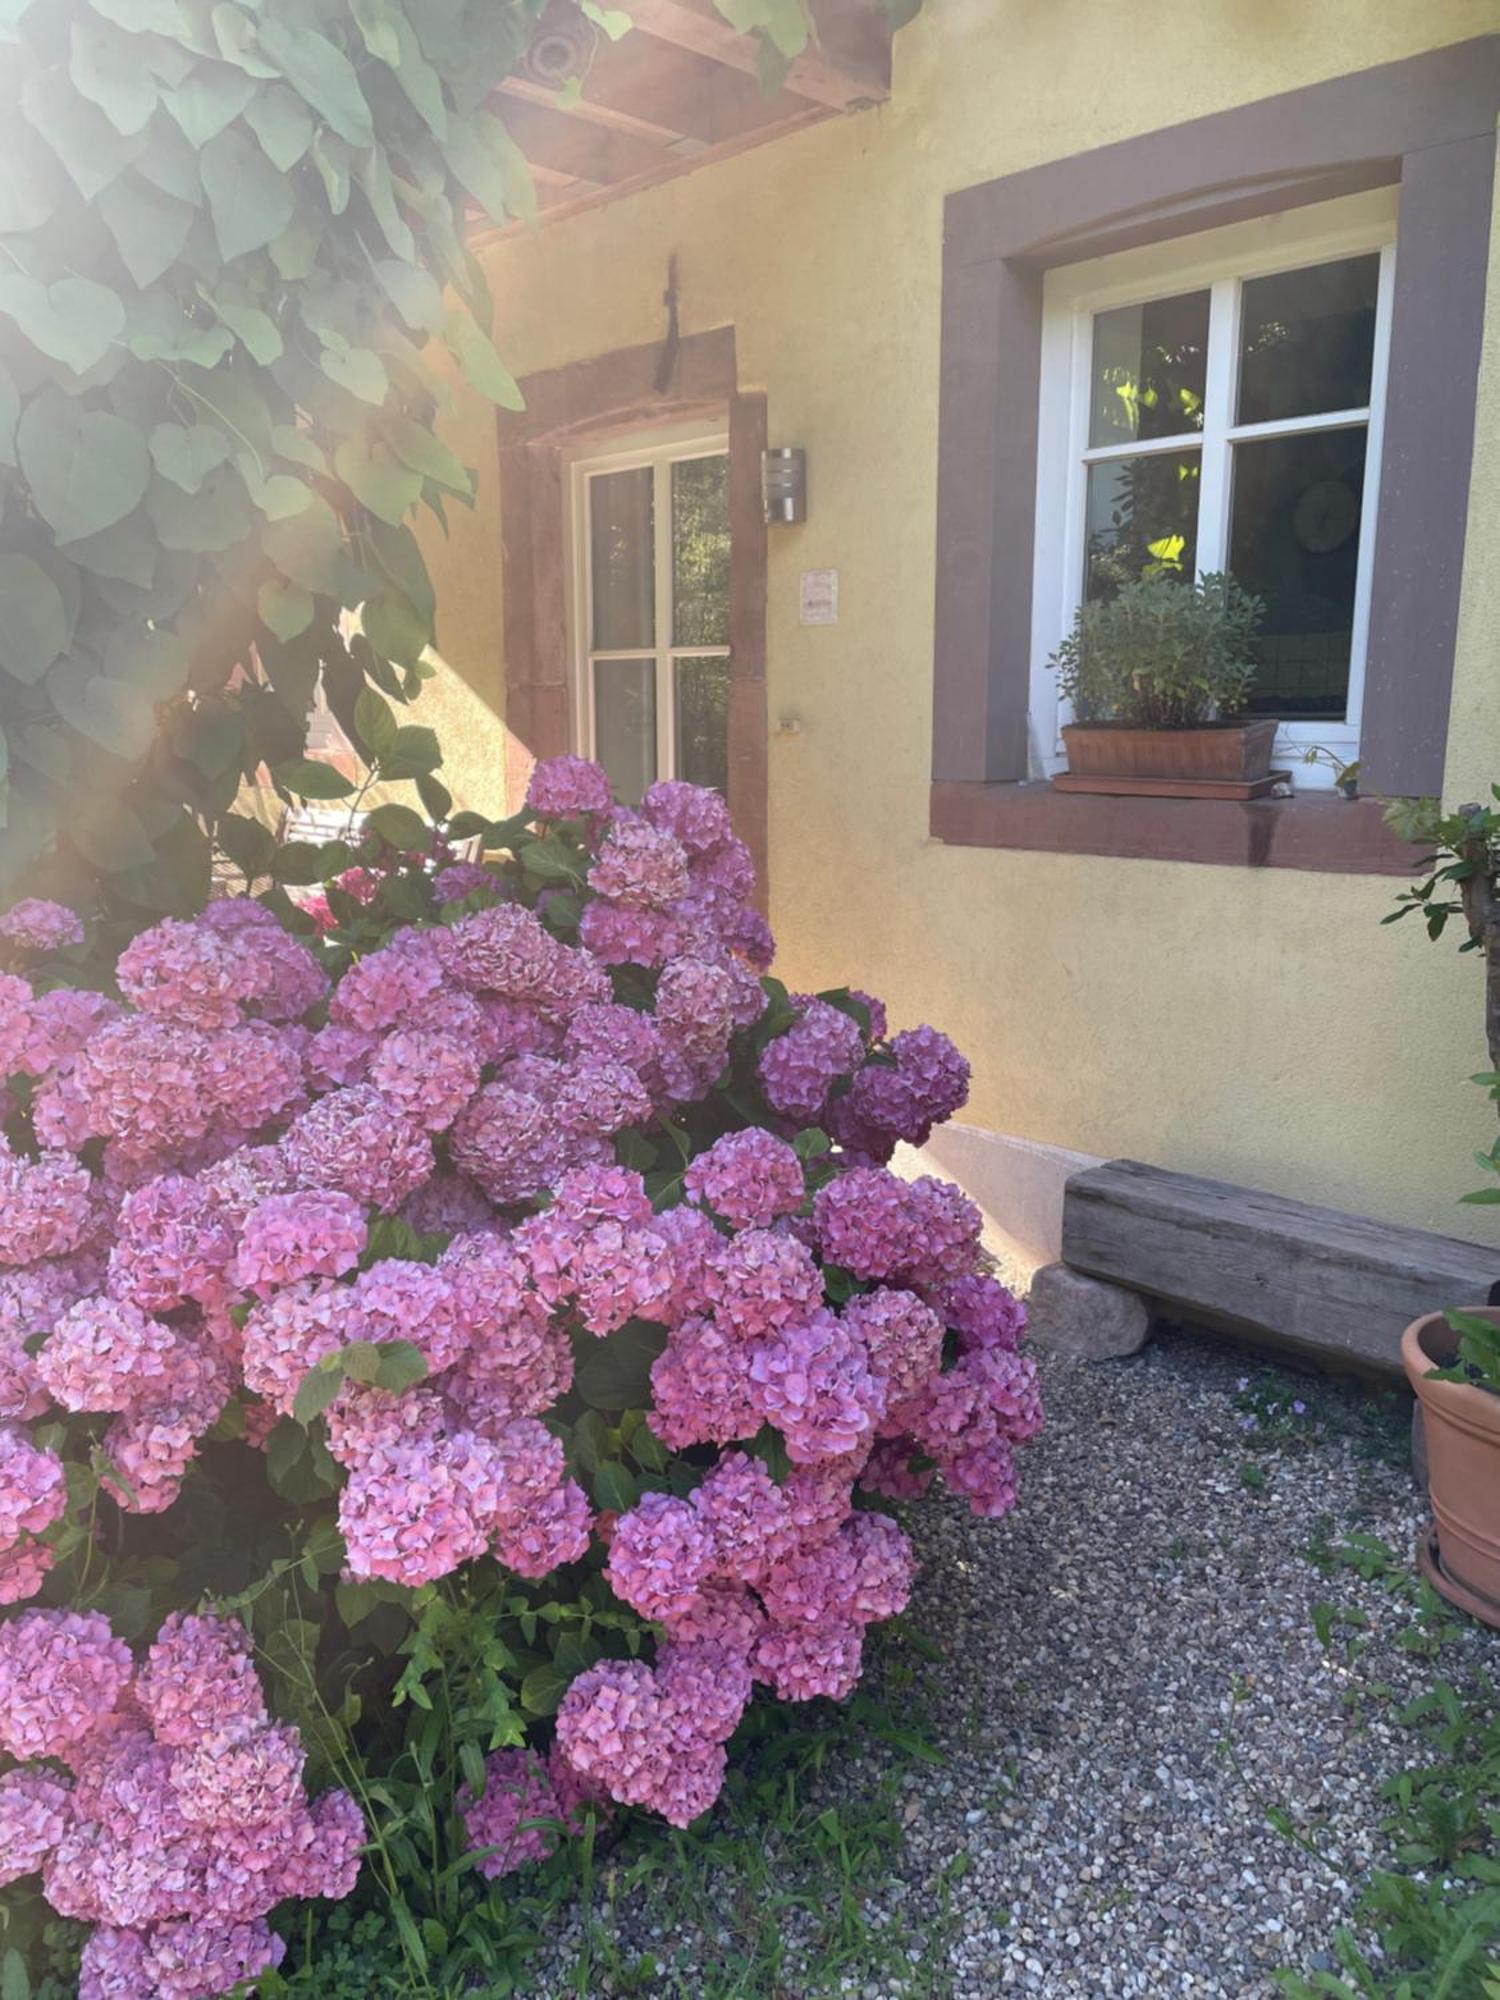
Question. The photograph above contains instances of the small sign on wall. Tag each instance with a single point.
(819, 597)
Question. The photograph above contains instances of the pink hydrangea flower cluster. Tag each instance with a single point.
(197, 1218)
(183, 1820)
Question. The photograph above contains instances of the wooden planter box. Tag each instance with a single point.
(1220, 760)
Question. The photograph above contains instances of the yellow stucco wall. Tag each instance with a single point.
(1254, 1024)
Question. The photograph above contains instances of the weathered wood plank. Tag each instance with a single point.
(1336, 1287)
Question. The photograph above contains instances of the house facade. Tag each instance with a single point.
(1075, 298)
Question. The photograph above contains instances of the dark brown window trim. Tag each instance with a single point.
(611, 395)
(1426, 125)
(1319, 831)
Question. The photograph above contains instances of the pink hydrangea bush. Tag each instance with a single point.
(160, 1802)
(505, 1230)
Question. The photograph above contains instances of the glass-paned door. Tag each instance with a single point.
(650, 557)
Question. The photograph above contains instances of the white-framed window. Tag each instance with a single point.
(1216, 403)
(648, 559)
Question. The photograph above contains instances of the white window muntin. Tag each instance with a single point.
(661, 450)
(1220, 261)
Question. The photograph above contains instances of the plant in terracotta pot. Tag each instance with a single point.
(1452, 1359)
(1158, 676)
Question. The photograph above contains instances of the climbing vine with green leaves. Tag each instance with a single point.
(234, 289)
(232, 273)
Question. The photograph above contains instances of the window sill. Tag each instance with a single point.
(1318, 831)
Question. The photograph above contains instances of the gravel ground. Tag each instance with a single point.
(1139, 1608)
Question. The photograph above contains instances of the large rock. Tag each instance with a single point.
(1084, 1316)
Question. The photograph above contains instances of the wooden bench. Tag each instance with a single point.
(1337, 1288)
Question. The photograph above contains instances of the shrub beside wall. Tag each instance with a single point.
(450, 1359)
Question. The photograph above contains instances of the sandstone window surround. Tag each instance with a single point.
(1425, 126)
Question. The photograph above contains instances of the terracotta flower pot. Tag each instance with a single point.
(1462, 1424)
(1219, 752)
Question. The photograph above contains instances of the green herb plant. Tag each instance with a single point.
(1161, 654)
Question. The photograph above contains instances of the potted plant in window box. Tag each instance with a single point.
(1158, 675)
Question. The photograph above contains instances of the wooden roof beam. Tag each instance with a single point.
(589, 111)
(849, 65)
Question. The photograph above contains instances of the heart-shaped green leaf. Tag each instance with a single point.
(282, 123)
(255, 330)
(110, 74)
(208, 101)
(215, 517)
(360, 370)
(187, 453)
(378, 479)
(90, 148)
(10, 411)
(415, 445)
(74, 320)
(249, 200)
(87, 468)
(284, 609)
(323, 75)
(107, 712)
(33, 621)
(149, 227)
(475, 353)
(152, 663)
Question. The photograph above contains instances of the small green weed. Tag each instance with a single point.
(1434, 1914)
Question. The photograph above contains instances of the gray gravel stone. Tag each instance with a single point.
(1073, 1314)
(1131, 1680)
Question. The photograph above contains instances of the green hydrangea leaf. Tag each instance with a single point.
(310, 778)
(414, 753)
(402, 827)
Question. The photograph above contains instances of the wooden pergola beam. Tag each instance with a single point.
(589, 111)
(860, 74)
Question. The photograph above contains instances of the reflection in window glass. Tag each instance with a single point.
(1294, 541)
(1307, 340)
(1142, 520)
(702, 688)
(1149, 370)
(625, 725)
(621, 556)
(700, 551)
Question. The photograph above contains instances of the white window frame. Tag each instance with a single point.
(661, 450)
(1219, 261)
